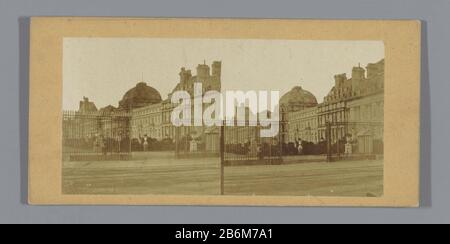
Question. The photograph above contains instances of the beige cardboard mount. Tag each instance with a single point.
(402, 100)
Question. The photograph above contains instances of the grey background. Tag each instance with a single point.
(435, 168)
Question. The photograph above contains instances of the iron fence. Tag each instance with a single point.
(192, 141)
(243, 145)
(96, 136)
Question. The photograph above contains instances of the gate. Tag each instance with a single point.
(192, 141)
(243, 145)
(96, 136)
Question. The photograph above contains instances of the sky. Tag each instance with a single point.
(103, 69)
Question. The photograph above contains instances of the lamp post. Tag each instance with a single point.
(328, 136)
(222, 160)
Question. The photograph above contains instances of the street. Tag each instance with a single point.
(167, 175)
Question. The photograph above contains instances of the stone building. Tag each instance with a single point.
(87, 106)
(168, 130)
(140, 96)
(335, 113)
(84, 127)
(81, 124)
(298, 118)
(297, 99)
(210, 78)
(354, 109)
(242, 132)
(303, 125)
(142, 104)
(147, 121)
(365, 122)
(151, 116)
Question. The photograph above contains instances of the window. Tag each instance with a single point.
(357, 113)
(369, 112)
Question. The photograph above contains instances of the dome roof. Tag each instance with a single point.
(298, 99)
(140, 96)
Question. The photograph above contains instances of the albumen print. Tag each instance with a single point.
(223, 117)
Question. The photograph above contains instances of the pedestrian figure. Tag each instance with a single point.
(97, 144)
(103, 145)
(260, 152)
(348, 149)
(300, 146)
(145, 143)
(193, 146)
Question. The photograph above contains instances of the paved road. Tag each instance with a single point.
(353, 178)
(201, 177)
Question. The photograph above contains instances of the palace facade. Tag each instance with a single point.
(148, 115)
(353, 109)
(154, 118)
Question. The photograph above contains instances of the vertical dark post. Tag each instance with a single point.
(130, 135)
(281, 140)
(111, 138)
(328, 135)
(187, 134)
(222, 160)
(119, 134)
(338, 144)
(270, 150)
(346, 119)
(177, 140)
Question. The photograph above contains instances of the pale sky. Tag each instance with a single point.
(103, 69)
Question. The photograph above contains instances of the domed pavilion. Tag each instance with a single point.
(297, 99)
(140, 96)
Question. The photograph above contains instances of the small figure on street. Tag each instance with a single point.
(299, 143)
(193, 146)
(348, 148)
(97, 146)
(260, 152)
(103, 145)
(145, 143)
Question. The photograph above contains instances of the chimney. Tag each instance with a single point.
(217, 69)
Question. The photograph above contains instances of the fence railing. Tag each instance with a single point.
(96, 136)
(243, 145)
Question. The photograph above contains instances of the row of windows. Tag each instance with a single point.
(299, 116)
(339, 116)
(146, 121)
(364, 112)
(298, 126)
(367, 112)
(155, 133)
(311, 137)
(146, 111)
(166, 117)
(329, 107)
(336, 133)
